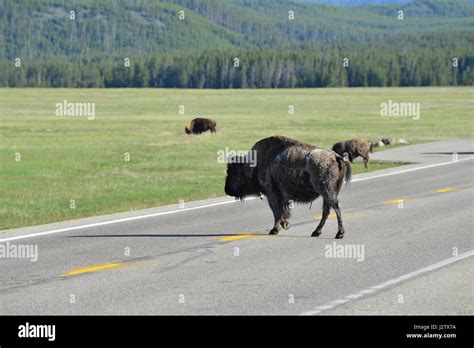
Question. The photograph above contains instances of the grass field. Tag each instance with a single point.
(64, 158)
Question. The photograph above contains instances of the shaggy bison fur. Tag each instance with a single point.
(200, 125)
(354, 148)
(290, 171)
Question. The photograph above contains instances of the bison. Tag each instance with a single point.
(354, 148)
(290, 171)
(199, 125)
(390, 141)
(393, 141)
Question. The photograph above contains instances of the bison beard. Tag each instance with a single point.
(288, 170)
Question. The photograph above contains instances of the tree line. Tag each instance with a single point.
(316, 66)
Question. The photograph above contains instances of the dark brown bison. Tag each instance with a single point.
(199, 125)
(289, 171)
(354, 148)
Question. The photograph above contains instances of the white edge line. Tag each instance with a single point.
(324, 307)
(109, 222)
(414, 169)
(139, 217)
(354, 296)
(390, 282)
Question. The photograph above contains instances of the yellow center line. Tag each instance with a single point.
(330, 216)
(394, 201)
(239, 236)
(92, 269)
(446, 189)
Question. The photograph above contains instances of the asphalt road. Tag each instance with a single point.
(215, 257)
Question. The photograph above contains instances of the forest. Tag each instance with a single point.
(234, 44)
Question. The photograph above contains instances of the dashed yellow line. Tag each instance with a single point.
(92, 269)
(395, 201)
(240, 236)
(446, 189)
(330, 216)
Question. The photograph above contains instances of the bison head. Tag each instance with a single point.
(241, 180)
(187, 130)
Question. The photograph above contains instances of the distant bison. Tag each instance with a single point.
(390, 141)
(354, 148)
(199, 125)
(289, 171)
(393, 141)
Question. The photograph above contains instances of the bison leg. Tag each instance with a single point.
(278, 212)
(278, 215)
(318, 230)
(286, 215)
(366, 160)
(340, 230)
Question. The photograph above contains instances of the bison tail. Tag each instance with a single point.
(345, 169)
(371, 146)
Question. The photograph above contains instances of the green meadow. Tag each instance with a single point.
(134, 154)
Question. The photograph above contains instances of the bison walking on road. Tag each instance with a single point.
(200, 125)
(354, 148)
(290, 171)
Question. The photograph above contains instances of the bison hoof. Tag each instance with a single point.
(339, 235)
(316, 233)
(285, 224)
(274, 231)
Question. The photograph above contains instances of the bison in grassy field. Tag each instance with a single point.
(390, 141)
(200, 125)
(290, 171)
(354, 148)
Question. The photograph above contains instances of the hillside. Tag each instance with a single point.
(41, 29)
(199, 50)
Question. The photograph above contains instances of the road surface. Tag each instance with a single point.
(407, 249)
